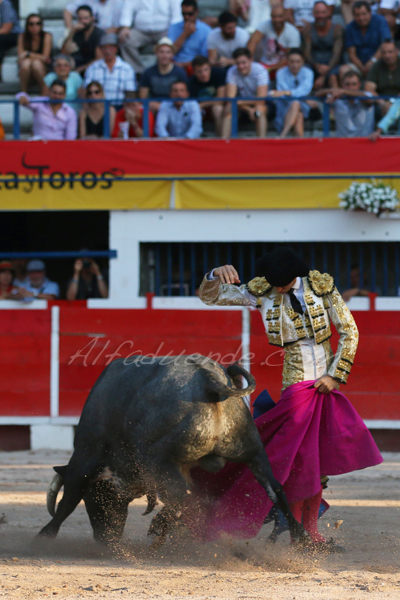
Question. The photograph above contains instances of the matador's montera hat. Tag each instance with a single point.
(281, 266)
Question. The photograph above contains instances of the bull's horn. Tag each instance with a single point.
(52, 493)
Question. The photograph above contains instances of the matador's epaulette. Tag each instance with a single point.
(259, 286)
(321, 283)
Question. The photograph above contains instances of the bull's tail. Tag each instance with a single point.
(235, 371)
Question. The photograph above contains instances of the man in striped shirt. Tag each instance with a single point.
(115, 75)
(9, 28)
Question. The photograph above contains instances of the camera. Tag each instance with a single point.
(87, 264)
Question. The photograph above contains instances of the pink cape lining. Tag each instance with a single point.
(306, 435)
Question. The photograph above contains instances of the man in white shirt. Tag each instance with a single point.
(277, 36)
(300, 12)
(225, 39)
(38, 286)
(246, 79)
(107, 13)
(145, 22)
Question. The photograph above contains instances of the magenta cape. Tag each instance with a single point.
(306, 435)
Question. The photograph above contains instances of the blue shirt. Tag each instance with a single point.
(366, 45)
(194, 45)
(180, 122)
(391, 117)
(159, 85)
(299, 85)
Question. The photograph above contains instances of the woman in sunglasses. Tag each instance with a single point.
(34, 50)
(91, 118)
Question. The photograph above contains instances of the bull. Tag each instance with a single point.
(144, 425)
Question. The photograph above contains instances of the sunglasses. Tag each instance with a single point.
(31, 23)
(93, 92)
(188, 14)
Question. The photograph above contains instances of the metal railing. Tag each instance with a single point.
(177, 268)
(326, 106)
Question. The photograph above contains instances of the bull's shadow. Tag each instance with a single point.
(143, 426)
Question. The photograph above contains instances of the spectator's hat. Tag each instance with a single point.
(281, 266)
(5, 265)
(109, 39)
(35, 265)
(165, 41)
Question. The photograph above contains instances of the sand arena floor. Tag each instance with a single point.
(74, 566)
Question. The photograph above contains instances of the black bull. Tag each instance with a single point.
(143, 426)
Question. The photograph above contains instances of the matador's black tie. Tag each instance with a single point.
(295, 302)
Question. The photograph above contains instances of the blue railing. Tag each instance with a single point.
(177, 268)
(61, 254)
(233, 101)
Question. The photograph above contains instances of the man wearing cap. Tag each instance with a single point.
(39, 285)
(313, 431)
(156, 81)
(114, 74)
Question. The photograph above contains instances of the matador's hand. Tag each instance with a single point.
(227, 274)
(326, 384)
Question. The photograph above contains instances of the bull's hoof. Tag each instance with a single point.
(47, 532)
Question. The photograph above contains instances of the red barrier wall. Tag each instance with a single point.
(25, 362)
(89, 338)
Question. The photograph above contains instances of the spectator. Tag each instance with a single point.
(294, 81)
(354, 117)
(180, 118)
(156, 81)
(247, 79)
(114, 74)
(52, 120)
(209, 10)
(34, 50)
(323, 47)
(389, 10)
(207, 83)
(87, 281)
(129, 120)
(91, 118)
(223, 41)
(388, 120)
(189, 36)
(9, 29)
(243, 10)
(355, 285)
(62, 70)
(300, 12)
(145, 22)
(363, 38)
(83, 40)
(6, 276)
(384, 76)
(277, 37)
(107, 13)
(39, 286)
(19, 268)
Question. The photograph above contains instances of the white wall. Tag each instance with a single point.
(129, 228)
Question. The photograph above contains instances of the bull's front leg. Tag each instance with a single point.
(172, 489)
(261, 468)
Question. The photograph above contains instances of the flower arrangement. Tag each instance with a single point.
(374, 197)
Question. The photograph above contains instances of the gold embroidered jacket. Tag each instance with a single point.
(298, 334)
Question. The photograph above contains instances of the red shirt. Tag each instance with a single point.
(121, 118)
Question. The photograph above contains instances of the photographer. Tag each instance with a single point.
(87, 282)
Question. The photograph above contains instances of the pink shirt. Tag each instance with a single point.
(49, 126)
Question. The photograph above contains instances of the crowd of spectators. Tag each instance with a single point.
(27, 280)
(205, 50)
